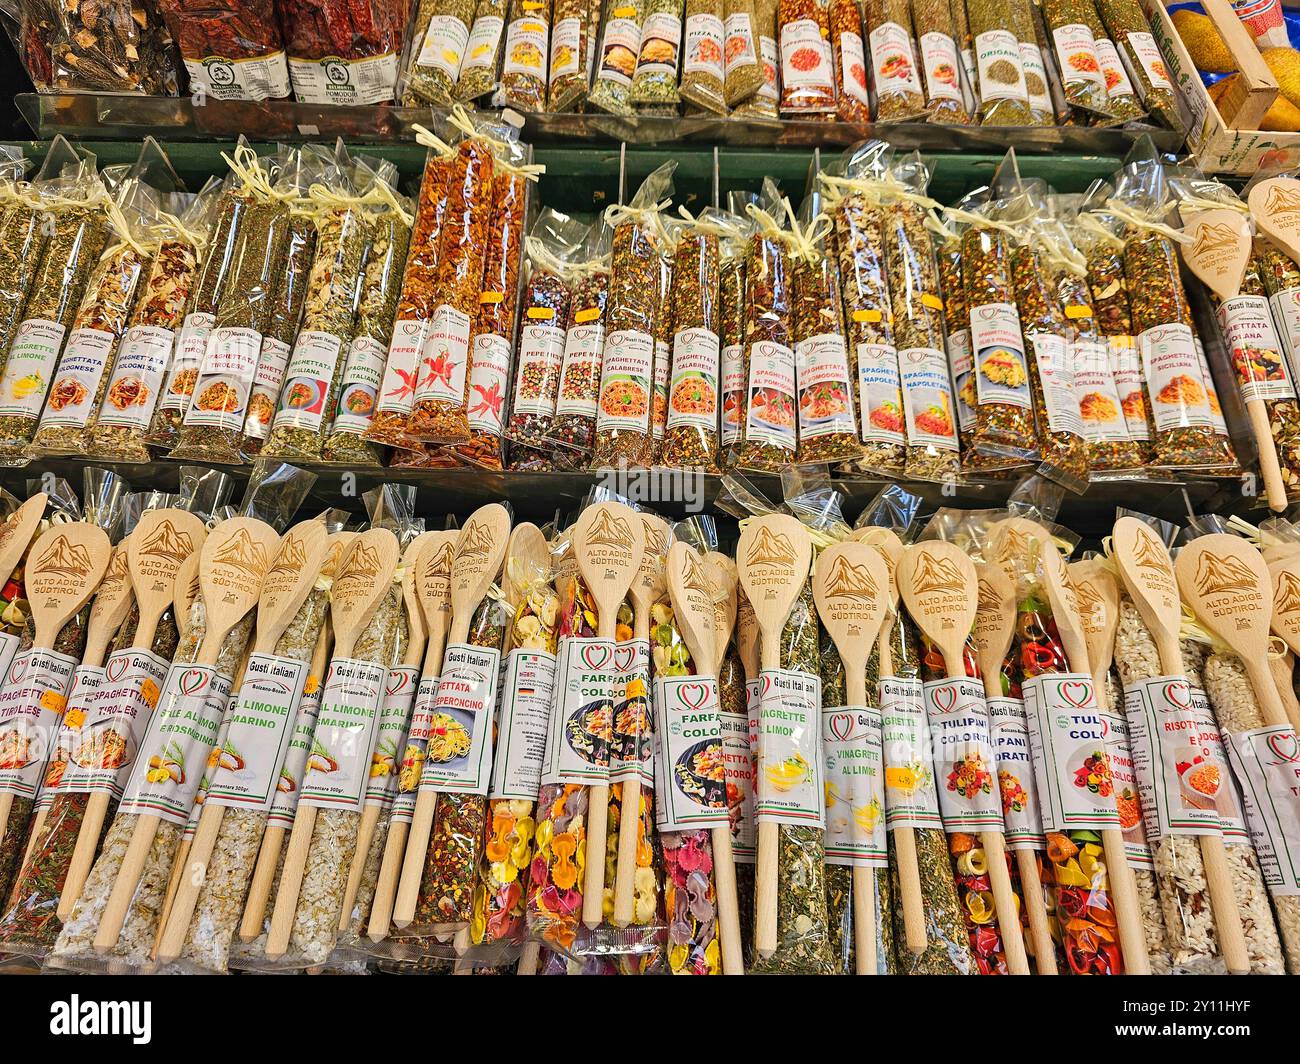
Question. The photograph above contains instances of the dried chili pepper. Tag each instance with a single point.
(232, 49)
(342, 53)
(807, 65)
(894, 73)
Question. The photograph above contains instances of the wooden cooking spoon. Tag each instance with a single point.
(995, 627)
(938, 584)
(1284, 567)
(772, 562)
(285, 588)
(476, 560)
(608, 545)
(851, 589)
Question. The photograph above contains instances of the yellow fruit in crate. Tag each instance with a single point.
(1285, 65)
(1282, 117)
(1203, 43)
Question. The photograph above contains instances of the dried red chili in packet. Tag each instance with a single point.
(415, 305)
(853, 101)
(732, 251)
(956, 319)
(342, 53)
(492, 342)
(807, 65)
(936, 39)
(554, 238)
(895, 77)
(523, 70)
(623, 417)
(232, 49)
(439, 35)
(1181, 397)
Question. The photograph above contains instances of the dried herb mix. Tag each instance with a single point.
(523, 72)
(1129, 29)
(616, 57)
(704, 57)
(659, 55)
(1003, 93)
(936, 38)
(764, 102)
(439, 45)
(478, 70)
(573, 27)
(894, 73)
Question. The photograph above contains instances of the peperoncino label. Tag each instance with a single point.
(541, 350)
(1009, 732)
(72, 395)
(806, 62)
(443, 358)
(1076, 53)
(880, 395)
(740, 40)
(257, 730)
(998, 349)
(853, 753)
(521, 731)
(939, 57)
(224, 379)
(1127, 368)
(489, 369)
(390, 734)
(790, 787)
(703, 46)
(32, 702)
(580, 373)
(566, 37)
(180, 737)
(690, 769)
(733, 392)
(1112, 69)
(825, 395)
(444, 45)
(411, 767)
(458, 758)
(1153, 62)
(693, 391)
(32, 357)
(402, 369)
(138, 371)
(307, 380)
(481, 48)
(738, 753)
(927, 398)
(263, 77)
(1172, 370)
(359, 385)
(1056, 374)
(770, 410)
(581, 728)
(1254, 349)
(619, 48)
(1071, 761)
(347, 82)
(1176, 756)
(892, 60)
(964, 765)
(661, 40)
(1128, 787)
(338, 764)
(1001, 67)
(961, 364)
(1266, 761)
(632, 748)
(284, 803)
(1101, 412)
(625, 382)
(910, 797)
(853, 65)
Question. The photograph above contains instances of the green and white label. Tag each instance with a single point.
(910, 798)
(1009, 730)
(789, 760)
(691, 766)
(339, 760)
(458, 757)
(964, 766)
(854, 758)
(581, 730)
(390, 738)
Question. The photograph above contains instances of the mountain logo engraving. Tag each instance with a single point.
(363, 563)
(850, 581)
(771, 548)
(1288, 592)
(1216, 575)
(290, 558)
(1150, 553)
(937, 575)
(169, 543)
(1282, 200)
(243, 552)
(64, 556)
(477, 541)
(1213, 238)
(610, 530)
(695, 578)
(439, 563)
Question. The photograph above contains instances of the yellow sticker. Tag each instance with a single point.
(149, 692)
(309, 688)
(533, 5)
(867, 315)
(491, 297)
(625, 12)
(534, 27)
(1078, 310)
(52, 700)
(541, 313)
(931, 301)
(589, 314)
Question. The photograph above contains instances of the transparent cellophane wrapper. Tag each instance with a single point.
(425, 77)
(478, 71)
(364, 29)
(1000, 109)
(75, 206)
(550, 249)
(703, 85)
(839, 878)
(941, 19)
(220, 903)
(1123, 18)
(119, 47)
(22, 234)
(761, 103)
(74, 949)
(242, 268)
(574, 26)
(1082, 83)
(615, 62)
(899, 98)
(1157, 298)
(526, 52)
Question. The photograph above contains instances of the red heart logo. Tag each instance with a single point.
(1285, 745)
(398, 680)
(596, 656)
(624, 657)
(945, 698)
(116, 667)
(1077, 692)
(767, 686)
(1179, 693)
(192, 681)
(694, 694)
(840, 725)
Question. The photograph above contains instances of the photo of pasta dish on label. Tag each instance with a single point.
(590, 733)
(699, 773)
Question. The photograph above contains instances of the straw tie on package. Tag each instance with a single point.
(995, 621)
(183, 729)
(468, 704)
(773, 559)
(690, 738)
(258, 726)
(938, 584)
(433, 584)
(851, 588)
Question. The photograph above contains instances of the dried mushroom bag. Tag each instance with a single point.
(895, 77)
(574, 24)
(212, 428)
(230, 31)
(478, 68)
(659, 54)
(1130, 31)
(549, 251)
(129, 391)
(79, 230)
(343, 55)
(357, 394)
(1184, 406)
(116, 47)
(439, 40)
(941, 65)
(626, 397)
(767, 414)
(524, 58)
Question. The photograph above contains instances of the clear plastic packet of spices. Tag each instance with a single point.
(626, 397)
(663, 337)
(549, 249)
(1023, 22)
(478, 69)
(232, 49)
(573, 28)
(742, 62)
(1001, 75)
(895, 73)
(1071, 26)
(853, 99)
(763, 103)
(439, 45)
(349, 60)
(440, 412)
(654, 81)
(806, 61)
(525, 55)
(1128, 29)
(117, 48)
(616, 57)
(79, 229)
(703, 56)
(22, 232)
(212, 428)
(956, 320)
(733, 252)
(492, 341)
(939, 61)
